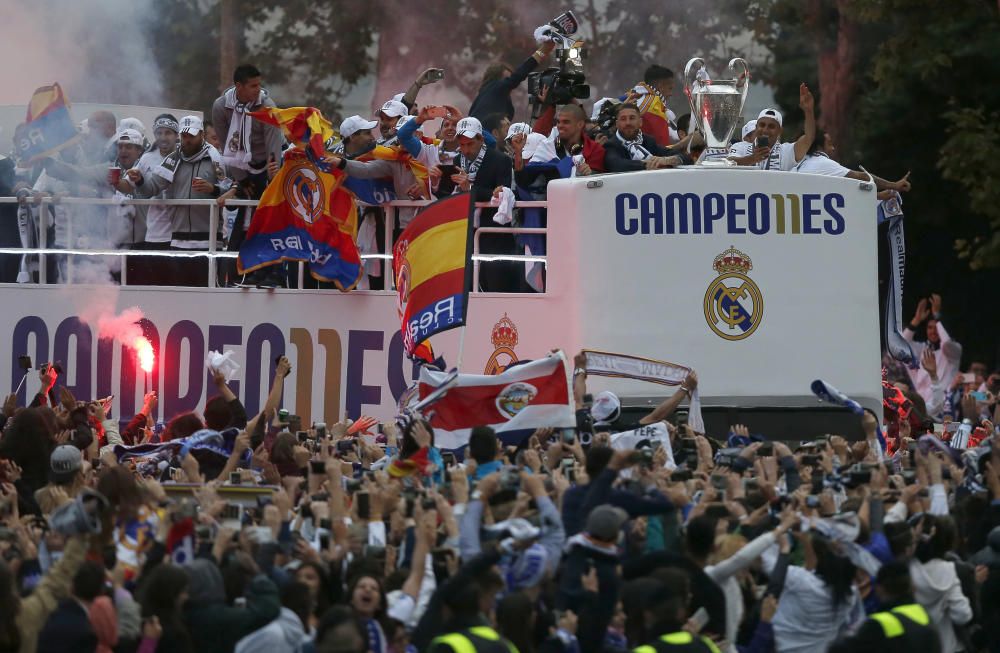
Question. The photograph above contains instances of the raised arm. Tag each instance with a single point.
(668, 405)
(808, 105)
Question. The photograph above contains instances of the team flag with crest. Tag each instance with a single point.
(430, 263)
(305, 213)
(48, 126)
(653, 109)
(526, 397)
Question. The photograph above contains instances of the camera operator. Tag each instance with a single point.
(628, 149)
(498, 82)
(572, 138)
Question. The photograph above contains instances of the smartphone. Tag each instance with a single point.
(762, 141)
(324, 541)
(437, 112)
(24, 362)
(345, 446)
(699, 619)
(436, 74)
(448, 170)
(317, 467)
(302, 436)
(235, 478)
(364, 505)
(969, 378)
(448, 458)
(979, 396)
(569, 436)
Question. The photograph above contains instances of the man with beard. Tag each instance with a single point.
(151, 270)
(194, 171)
(630, 149)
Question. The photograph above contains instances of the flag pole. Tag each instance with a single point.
(461, 349)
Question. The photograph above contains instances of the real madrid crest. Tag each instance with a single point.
(504, 339)
(304, 192)
(733, 303)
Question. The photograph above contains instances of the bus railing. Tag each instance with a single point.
(213, 253)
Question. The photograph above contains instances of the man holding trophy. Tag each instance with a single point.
(717, 105)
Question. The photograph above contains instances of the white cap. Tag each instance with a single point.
(394, 109)
(749, 127)
(469, 127)
(355, 124)
(403, 120)
(518, 128)
(398, 97)
(132, 123)
(774, 114)
(596, 112)
(606, 407)
(191, 125)
(130, 136)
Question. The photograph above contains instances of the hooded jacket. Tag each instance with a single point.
(174, 178)
(937, 588)
(283, 635)
(216, 626)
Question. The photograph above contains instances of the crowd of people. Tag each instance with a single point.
(419, 151)
(622, 534)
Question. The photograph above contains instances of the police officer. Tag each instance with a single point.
(470, 632)
(903, 626)
(666, 610)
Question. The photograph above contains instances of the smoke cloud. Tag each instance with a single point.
(98, 50)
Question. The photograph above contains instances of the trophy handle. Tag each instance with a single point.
(691, 70)
(741, 75)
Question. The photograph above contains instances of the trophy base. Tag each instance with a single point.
(715, 158)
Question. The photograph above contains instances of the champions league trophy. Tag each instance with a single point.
(716, 106)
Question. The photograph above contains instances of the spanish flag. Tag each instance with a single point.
(431, 263)
(653, 110)
(48, 126)
(302, 126)
(398, 153)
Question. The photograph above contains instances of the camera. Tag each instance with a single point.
(585, 421)
(566, 81)
(727, 457)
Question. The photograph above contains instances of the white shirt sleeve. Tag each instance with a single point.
(821, 165)
(741, 149)
(788, 161)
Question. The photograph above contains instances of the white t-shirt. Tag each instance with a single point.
(821, 164)
(158, 218)
(741, 149)
(782, 158)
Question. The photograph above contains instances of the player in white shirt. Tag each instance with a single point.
(819, 161)
(777, 155)
(158, 218)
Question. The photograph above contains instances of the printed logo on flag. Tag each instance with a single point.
(734, 305)
(513, 399)
(304, 192)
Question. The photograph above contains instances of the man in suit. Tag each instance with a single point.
(629, 149)
(484, 171)
(68, 629)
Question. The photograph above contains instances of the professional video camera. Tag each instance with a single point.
(566, 81)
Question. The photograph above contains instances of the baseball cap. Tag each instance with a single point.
(518, 128)
(130, 136)
(403, 120)
(355, 124)
(607, 407)
(774, 114)
(394, 109)
(191, 125)
(749, 127)
(65, 461)
(469, 127)
(605, 522)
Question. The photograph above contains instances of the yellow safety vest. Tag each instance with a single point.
(680, 638)
(460, 643)
(893, 627)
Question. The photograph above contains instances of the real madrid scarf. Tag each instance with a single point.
(891, 211)
(472, 167)
(236, 148)
(170, 163)
(623, 366)
(634, 146)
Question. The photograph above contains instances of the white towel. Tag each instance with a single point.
(504, 201)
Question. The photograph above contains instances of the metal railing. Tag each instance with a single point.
(213, 253)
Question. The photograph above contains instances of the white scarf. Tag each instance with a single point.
(634, 146)
(472, 167)
(168, 166)
(236, 149)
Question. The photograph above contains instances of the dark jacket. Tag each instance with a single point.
(594, 611)
(580, 500)
(871, 638)
(216, 626)
(617, 158)
(494, 97)
(67, 630)
(495, 170)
